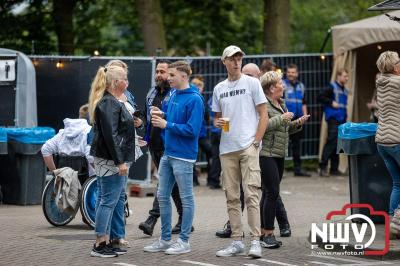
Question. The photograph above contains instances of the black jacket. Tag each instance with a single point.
(114, 131)
(154, 133)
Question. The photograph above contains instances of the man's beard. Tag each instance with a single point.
(162, 84)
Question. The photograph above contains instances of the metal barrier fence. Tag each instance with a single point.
(314, 72)
(63, 85)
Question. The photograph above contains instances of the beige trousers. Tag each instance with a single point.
(242, 167)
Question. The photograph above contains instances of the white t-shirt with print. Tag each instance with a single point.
(237, 100)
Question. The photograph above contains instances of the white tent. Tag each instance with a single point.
(356, 47)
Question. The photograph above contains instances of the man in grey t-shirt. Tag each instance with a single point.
(240, 110)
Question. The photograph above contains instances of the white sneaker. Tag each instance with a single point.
(236, 248)
(255, 249)
(159, 245)
(179, 247)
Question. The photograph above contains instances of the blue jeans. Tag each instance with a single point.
(179, 171)
(118, 219)
(391, 157)
(110, 205)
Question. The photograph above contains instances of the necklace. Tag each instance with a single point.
(232, 84)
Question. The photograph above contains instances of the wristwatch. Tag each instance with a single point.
(256, 144)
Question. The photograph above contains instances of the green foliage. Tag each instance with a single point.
(189, 25)
(17, 31)
(311, 19)
(112, 27)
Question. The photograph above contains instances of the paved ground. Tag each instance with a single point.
(27, 238)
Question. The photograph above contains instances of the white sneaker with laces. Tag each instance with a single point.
(236, 248)
(179, 247)
(255, 249)
(159, 245)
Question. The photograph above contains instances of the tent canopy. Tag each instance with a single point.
(355, 49)
(376, 29)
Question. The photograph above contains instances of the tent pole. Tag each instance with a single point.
(328, 34)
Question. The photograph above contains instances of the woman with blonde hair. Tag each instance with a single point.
(272, 156)
(113, 149)
(117, 233)
(387, 136)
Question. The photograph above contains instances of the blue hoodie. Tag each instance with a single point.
(184, 118)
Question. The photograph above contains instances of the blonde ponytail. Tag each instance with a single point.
(97, 91)
(103, 80)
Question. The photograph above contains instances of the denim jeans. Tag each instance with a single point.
(110, 205)
(179, 171)
(391, 157)
(155, 211)
(117, 230)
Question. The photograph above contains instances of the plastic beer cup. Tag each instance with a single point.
(225, 127)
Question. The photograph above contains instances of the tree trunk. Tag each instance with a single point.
(63, 20)
(151, 22)
(276, 26)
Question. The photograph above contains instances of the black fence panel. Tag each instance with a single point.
(314, 72)
(62, 90)
(63, 85)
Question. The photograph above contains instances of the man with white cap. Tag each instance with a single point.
(251, 70)
(240, 101)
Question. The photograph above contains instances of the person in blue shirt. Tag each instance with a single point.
(213, 179)
(296, 103)
(181, 124)
(204, 142)
(159, 96)
(334, 99)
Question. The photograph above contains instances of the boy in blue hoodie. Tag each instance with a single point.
(181, 123)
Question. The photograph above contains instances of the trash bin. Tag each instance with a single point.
(3, 141)
(370, 181)
(23, 170)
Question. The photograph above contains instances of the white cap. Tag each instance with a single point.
(231, 50)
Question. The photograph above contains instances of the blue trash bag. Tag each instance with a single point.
(33, 135)
(351, 130)
(3, 134)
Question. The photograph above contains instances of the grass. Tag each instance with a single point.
(306, 164)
